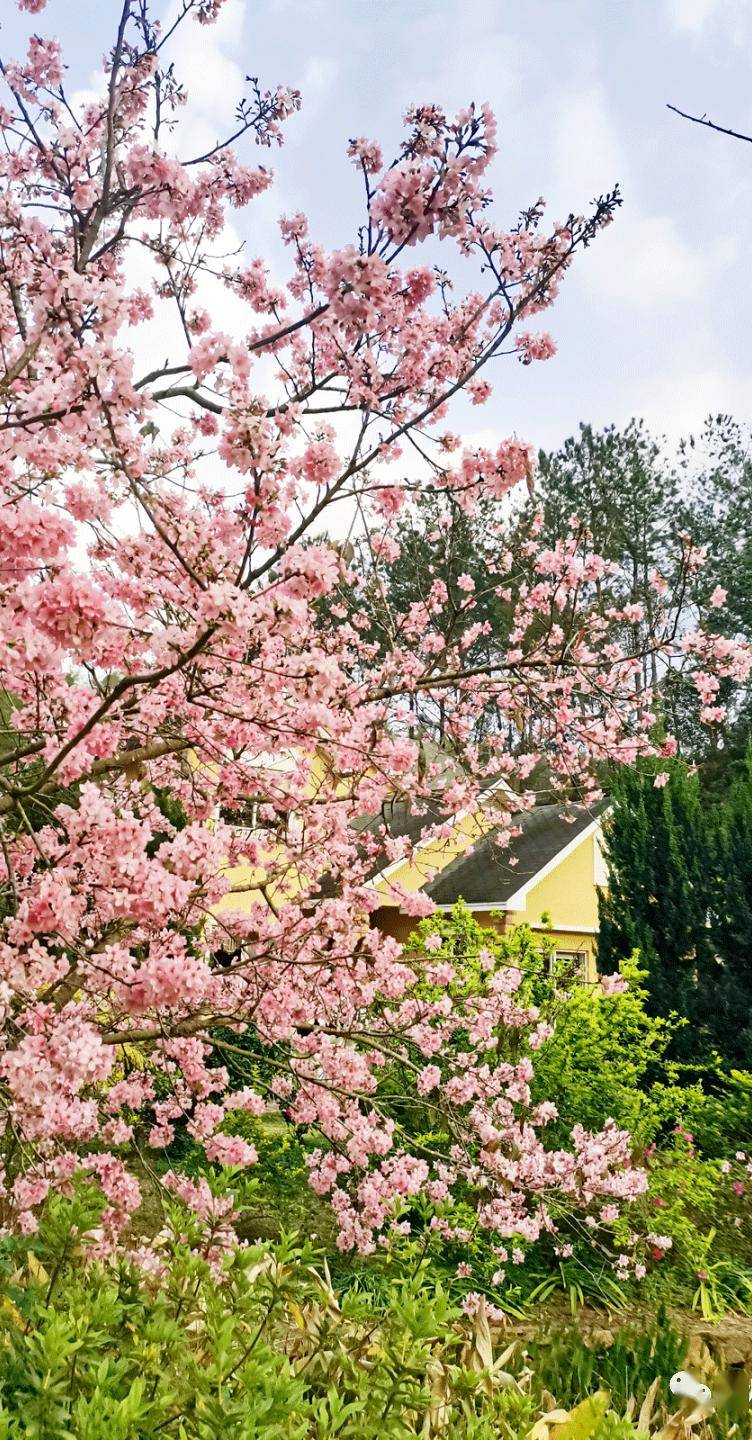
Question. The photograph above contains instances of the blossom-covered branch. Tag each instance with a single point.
(175, 650)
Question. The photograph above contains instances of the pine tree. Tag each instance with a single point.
(717, 489)
(624, 489)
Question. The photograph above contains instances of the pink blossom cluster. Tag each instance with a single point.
(180, 644)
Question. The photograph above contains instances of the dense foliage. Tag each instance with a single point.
(640, 498)
(680, 869)
(262, 1344)
(686, 1240)
(207, 708)
(651, 511)
(195, 720)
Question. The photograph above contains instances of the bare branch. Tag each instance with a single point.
(709, 124)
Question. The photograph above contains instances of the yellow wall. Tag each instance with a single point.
(411, 875)
(395, 923)
(428, 859)
(567, 896)
(285, 885)
(567, 893)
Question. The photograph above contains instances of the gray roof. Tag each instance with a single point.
(483, 875)
(397, 818)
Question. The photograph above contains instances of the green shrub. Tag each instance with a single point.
(625, 1364)
(703, 1205)
(254, 1343)
(607, 1058)
(249, 1343)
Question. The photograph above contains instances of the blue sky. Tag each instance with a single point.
(655, 319)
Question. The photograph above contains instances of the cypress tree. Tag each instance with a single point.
(731, 1002)
(658, 849)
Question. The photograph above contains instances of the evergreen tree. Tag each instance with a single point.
(624, 489)
(640, 502)
(732, 920)
(717, 499)
(658, 850)
(440, 542)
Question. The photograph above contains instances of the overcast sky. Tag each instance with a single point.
(655, 318)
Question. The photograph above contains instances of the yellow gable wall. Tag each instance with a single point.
(246, 878)
(415, 872)
(567, 893)
(410, 874)
(567, 896)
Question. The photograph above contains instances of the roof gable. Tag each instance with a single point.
(487, 874)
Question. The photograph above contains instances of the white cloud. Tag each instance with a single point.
(213, 80)
(318, 77)
(588, 155)
(487, 61)
(643, 260)
(645, 263)
(677, 403)
(696, 18)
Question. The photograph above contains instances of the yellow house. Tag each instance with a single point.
(547, 877)
(266, 817)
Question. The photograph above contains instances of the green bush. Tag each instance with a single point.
(703, 1205)
(607, 1058)
(625, 1364)
(248, 1343)
(254, 1343)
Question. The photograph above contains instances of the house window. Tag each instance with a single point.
(255, 817)
(244, 814)
(571, 965)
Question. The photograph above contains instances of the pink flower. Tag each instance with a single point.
(534, 347)
(479, 392)
(613, 984)
(661, 779)
(366, 153)
(229, 703)
(428, 1079)
(718, 597)
(230, 1150)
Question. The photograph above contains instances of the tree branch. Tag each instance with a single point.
(709, 124)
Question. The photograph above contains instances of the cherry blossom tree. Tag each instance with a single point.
(174, 646)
